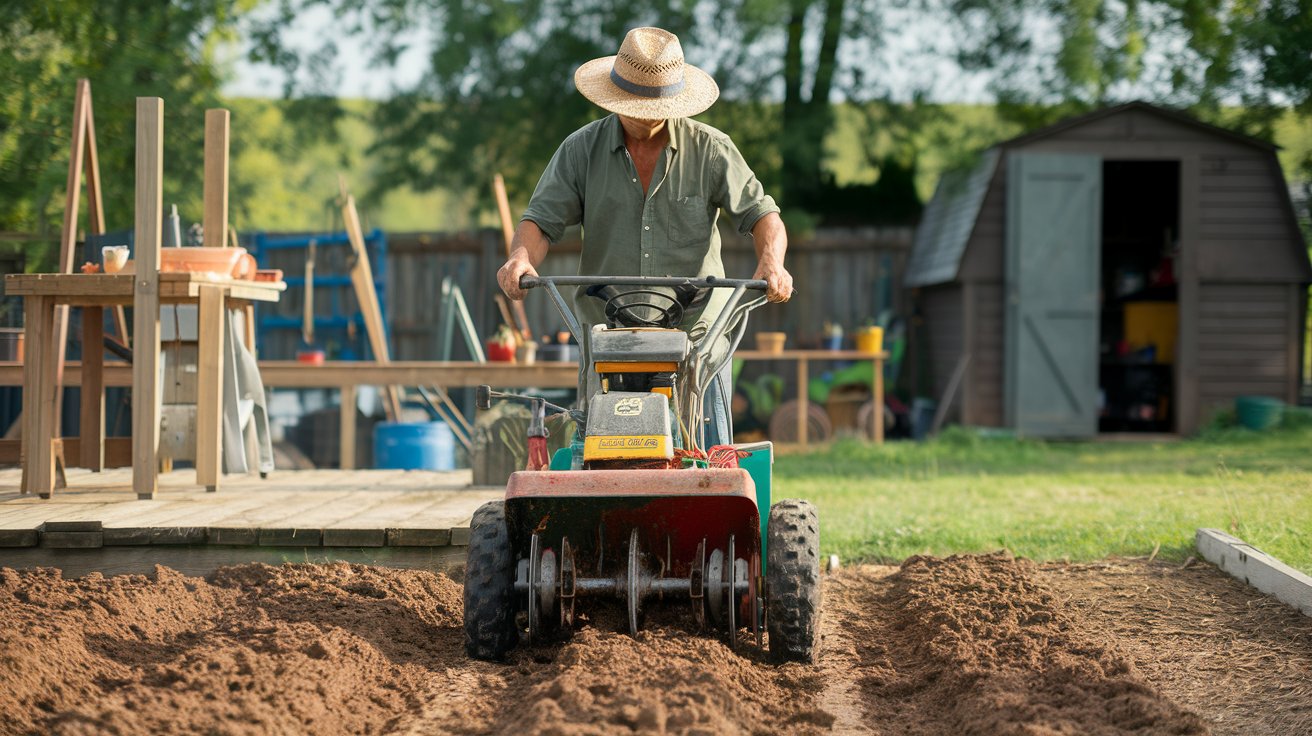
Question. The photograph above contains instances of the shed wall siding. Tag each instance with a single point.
(987, 356)
(983, 261)
(1244, 230)
(1243, 344)
(943, 333)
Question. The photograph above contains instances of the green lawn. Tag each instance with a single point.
(968, 493)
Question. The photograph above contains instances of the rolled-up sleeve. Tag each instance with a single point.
(740, 194)
(557, 202)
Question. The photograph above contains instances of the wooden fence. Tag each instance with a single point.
(842, 276)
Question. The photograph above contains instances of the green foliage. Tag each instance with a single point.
(127, 49)
(970, 492)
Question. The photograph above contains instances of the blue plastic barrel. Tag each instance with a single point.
(417, 446)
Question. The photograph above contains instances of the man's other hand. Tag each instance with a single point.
(509, 274)
(779, 283)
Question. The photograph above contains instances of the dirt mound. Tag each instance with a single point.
(664, 681)
(977, 645)
(258, 650)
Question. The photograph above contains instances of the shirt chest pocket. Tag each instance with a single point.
(689, 222)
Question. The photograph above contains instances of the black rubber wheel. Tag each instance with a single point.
(792, 609)
(489, 585)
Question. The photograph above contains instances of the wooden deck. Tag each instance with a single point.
(97, 524)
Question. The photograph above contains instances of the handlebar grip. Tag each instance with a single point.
(529, 282)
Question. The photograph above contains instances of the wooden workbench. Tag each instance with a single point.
(803, 358)
(93, 292)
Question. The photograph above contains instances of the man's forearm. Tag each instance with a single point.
(529, 243)
(770, 239)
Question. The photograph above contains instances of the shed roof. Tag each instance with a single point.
(1107, 112)
(948, 221)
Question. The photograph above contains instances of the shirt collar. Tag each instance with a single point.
(616, 132)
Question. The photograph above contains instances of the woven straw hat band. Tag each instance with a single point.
(649, 64)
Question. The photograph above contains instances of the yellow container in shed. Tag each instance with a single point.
(1153, 323)
(870, 339)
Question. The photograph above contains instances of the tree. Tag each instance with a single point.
(498, 95)
(127, 49)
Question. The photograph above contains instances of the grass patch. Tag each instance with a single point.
(966, 492)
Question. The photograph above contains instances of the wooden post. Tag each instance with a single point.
(68, 233)
(803, 408)
(145, 298)
(209, 382)
(346, 431)
(93, 389)
(215, 221)
(362, 276)
(508, 233)
(38, 396)
(96, 209)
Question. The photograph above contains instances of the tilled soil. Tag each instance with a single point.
(964, 645)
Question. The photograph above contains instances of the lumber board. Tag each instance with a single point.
(335, 537)
(68, 233)
(209, 381)
(215, 219)
(1256, 568)
(508, 234)
(346, 428)
(145, 299)
(18, 538)
(102, 289)
(204, 560)
(117, 451)
(362, 276)
(418, 537)
(72, 526)
(40, 397)
(72, 540)
(334, 374)
(92, 418)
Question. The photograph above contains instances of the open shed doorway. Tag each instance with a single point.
(1139, 320)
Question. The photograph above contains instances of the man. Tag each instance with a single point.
(648, 184)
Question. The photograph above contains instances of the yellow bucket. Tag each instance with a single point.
(870, 339)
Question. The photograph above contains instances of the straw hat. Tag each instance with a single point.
(647, 79)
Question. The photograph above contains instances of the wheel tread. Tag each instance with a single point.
(793, 604)
(489, 584)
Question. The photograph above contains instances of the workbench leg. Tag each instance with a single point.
(148, 227)
(209, 382)
(249, 313)
(347, 429)
(93, 389)
(879, 400)
(39, 396)
(803, 407)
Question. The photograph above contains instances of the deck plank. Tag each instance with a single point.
(290, 509)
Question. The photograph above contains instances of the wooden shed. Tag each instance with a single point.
(1132, 269)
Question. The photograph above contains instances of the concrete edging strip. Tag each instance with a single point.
(1256, 568)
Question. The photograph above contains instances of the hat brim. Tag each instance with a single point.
(593, 81)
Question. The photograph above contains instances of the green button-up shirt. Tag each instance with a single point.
(669, 231)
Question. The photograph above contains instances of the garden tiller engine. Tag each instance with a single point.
(637, 508)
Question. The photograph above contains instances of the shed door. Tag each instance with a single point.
(1053, 247)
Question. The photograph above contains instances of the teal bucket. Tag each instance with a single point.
(414, 446)
(1259, 413)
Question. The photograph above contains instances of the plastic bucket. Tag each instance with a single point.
(1259, 413)
(417, 446)
(870, 339)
